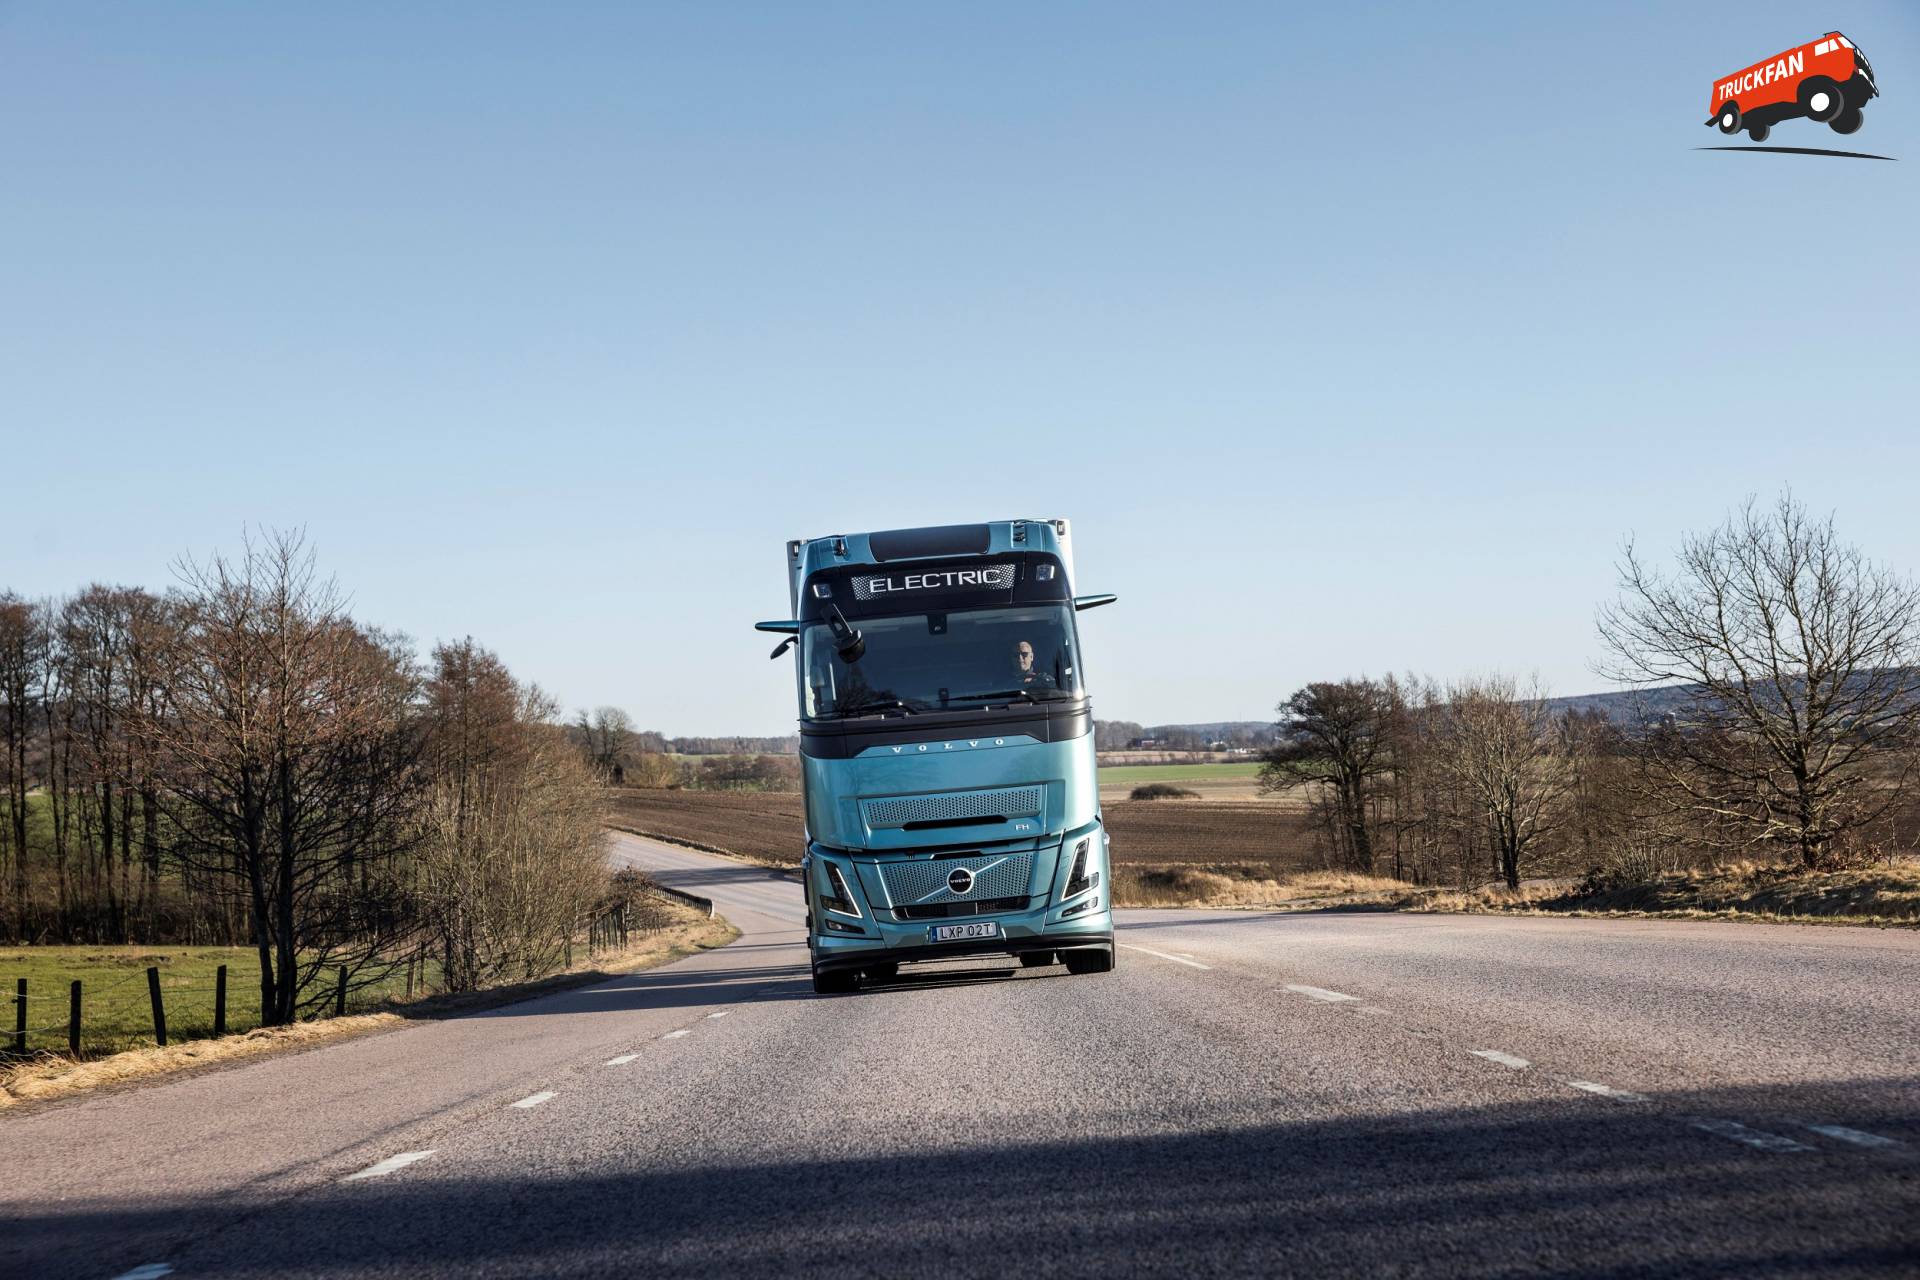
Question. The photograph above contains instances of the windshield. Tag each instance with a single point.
(943, 662)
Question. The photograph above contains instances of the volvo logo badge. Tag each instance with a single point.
(960, 880)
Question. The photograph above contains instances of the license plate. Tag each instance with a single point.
(964, 932)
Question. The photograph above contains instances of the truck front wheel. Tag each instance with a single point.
(1821, 99)
(834, 982)
(1730, 118)
(1089, 960)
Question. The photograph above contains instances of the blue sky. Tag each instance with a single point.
(1351, 342)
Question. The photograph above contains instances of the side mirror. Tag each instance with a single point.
(1081, 603)
(791, 628)
(783, 646)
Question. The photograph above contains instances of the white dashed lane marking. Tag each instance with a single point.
(1751, 1137)
(1167, 955)
(675, 1035)
(146, 1271)
(532, 1100)
(1607, 1091)
(1855, 1136)
(1321, 994)
(723, 1013)
(392, 1164)
(622, 1060)
(1504, 1059)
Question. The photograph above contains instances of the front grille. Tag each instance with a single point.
(921, 883)
(941, 910)
(956, 807)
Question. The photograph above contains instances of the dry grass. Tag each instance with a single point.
(1880, 896)
(51, 1076)
(1241, 885)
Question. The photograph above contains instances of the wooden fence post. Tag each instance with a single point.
(73, 1021)
(220, 1001)
(20, 1015)
(340, 995)
(159, 1009)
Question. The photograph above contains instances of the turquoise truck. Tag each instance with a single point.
(946, 750)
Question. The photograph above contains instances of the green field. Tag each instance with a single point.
(1128, 775)
(116, 1012)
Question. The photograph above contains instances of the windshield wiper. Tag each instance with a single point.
(992, 695)
(878, 705)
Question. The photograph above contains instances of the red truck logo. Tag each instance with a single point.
(1827, 80)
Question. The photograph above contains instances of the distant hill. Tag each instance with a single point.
(1626, 706)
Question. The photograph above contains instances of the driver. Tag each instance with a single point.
(1026, 675)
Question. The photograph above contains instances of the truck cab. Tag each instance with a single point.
(947, 750)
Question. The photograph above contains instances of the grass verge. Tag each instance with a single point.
(1240, 884)
(1881, 896)
(52, 1076)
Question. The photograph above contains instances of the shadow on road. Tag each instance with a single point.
(1561, 1186)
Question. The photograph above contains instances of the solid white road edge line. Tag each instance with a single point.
(675, 1035)
(1504, 1059)
(1321, 994)
(1608, 1091)
(1855, 1136)
(392, 1164)
(532, 1100)
(1191, 964)
(146, 1271)
(622, 1060)
(1752, 1137)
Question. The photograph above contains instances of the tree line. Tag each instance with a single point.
(238, 761)
(1780, 720)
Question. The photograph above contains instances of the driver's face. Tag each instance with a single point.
(1023, 656)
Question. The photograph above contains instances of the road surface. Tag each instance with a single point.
(1248, 1094)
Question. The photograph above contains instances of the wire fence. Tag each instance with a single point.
(137, 998)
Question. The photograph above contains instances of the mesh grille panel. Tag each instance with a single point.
(1006, 802)
(995, 875)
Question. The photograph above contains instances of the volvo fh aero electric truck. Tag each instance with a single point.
(946, 743)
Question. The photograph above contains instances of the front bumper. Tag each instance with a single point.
(1096, 930)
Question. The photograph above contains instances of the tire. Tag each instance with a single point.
(1730, 118)
(834, 982)
(1089, 960)
(1848, 121)
(1035, 959)
(1758, 132)
(1822, 99)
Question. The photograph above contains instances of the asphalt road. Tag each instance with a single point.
(1247, 1094)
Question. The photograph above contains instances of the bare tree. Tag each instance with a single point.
(1800, 663)
(1493, 740)
(22, 654)
(285, 739)
(514, 850)
(1336, 736)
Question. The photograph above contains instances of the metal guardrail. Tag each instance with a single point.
(693, 899)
